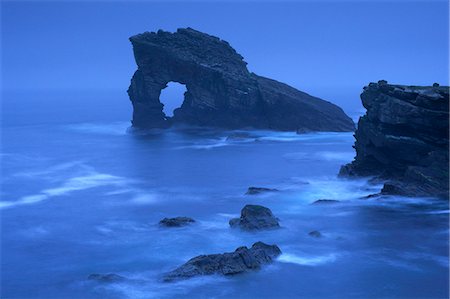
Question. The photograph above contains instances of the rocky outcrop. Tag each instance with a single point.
(259, 190)
(255, 217)
(404, 138)
(106, 278)
(176, 222)
(325, 201)
(242, 260)
(221, 92)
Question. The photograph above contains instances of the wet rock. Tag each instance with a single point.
(315, 234)
(221, 92)
(403, 139)
(259, 190)
(255, 217)
(375, 195)
(325, 201)
(242, 260)
(106, 278)
(176, 222)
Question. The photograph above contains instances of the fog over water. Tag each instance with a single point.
(82, 193)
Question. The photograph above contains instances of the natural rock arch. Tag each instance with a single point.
(172, 97)
(221, 92)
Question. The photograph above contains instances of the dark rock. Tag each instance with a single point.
(435, 84)
(375, 195)
(176, 222)
(315, 234)
(241, 260)
(259, 190)
(404, 139)
(106, 278)
(221, 92)
(254, 217)
(325, 201)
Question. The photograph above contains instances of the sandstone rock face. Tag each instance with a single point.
(404, 137)
(221, 92)
(255, 217)
(241, 260)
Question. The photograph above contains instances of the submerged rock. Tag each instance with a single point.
(106, 278)
(325, 201)
(255, 217)
(404, 138)
(176, 222)
(221, 92)
(259, 190)
(315, 234)
(242, 260)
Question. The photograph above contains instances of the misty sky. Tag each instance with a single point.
(322, 47)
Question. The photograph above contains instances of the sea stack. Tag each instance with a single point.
(221, 92)
(404, 138)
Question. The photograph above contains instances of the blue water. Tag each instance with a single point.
(81, 193)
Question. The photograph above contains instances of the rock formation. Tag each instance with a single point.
(404, 138)
(106, 278)
(241, 260)
(176, 222)
(221, 92)
(259, 190)
(254, 217)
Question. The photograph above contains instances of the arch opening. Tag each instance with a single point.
(172, 97)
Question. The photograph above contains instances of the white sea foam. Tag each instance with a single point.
(88, 181)
(115, 128)
(307, 260)
(324, 155)
(144, 199)
(53, 169)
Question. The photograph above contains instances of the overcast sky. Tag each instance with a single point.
(317, 46)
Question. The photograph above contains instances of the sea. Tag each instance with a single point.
(83, 193)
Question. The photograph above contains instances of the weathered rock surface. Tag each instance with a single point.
(315, 234)
(259, 190)
(404, 138)
(255, 217)
(242, 260)
(106, 278)
(221, 92)
(325, 201)
(176, 222)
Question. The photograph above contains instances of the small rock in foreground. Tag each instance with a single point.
(255, 217)
(242, 260)
(259, 190)
(315, 234)
(106, 278)
(325, 201)
(176, 222)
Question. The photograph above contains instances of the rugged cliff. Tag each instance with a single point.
(221, 92)
(404, 138)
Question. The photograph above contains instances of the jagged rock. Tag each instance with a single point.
(259, 190)
(106, 278)
(176, 222)
(315, 234)
(255, 217)
(325, 201)
(403, 138)
(241, 260)
(221, 92)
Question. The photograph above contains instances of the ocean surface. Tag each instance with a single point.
(81, 193)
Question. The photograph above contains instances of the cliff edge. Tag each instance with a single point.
(404, 139)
